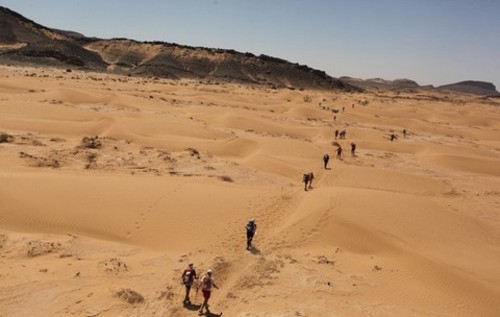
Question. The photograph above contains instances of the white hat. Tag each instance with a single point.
(209, 272)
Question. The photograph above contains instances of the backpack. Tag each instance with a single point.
(187, 277)
(250, 226)
(206, 283)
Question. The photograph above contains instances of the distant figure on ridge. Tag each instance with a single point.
(187, 278)
(251, 230)
(393, 137)
(308, 179)
(336, 134)
(404, 132)
(326, 158)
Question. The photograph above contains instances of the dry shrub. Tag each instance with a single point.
(225, 178)
(130, 296)
(91, 143)
(6, 138)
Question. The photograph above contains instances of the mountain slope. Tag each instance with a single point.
(24, 41)
(472, 87)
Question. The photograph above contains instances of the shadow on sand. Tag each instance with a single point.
(191, 306)
(254, 251)
(210, 314)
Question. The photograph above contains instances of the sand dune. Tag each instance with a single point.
(110, 185)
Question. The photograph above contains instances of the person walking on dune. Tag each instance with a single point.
(308, 180)
(326, 158)
(339, 153)
(251, 230)
(187, 278)
(353, 149)
(206, 284)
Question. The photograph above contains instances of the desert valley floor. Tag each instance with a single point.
(110, 185)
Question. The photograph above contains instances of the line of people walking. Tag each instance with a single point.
(206, 283)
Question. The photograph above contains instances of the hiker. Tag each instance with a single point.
(339, 152)
(393, 137)
(353, 149)
(187, 278)
(342, 134)
(308, 179)
(336, 134)
(404, 132)
(326, 158)
(251, 230)
(343, 109)
(206, 283)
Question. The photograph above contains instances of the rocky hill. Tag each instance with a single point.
(379, 84)
(26, 42)
(480, 88)
(472, 87)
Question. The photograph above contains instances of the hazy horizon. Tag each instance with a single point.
(430, 42)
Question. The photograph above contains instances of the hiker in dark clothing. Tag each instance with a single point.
(187, 278)
(308, 179)
(339, 152)
(353, 149)
(251, 230)
(393, 137)
(336, 134)
(326, 158)
(342, 134)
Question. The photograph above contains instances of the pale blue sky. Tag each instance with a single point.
(430, 41)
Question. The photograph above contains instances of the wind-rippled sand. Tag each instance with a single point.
(110, 185)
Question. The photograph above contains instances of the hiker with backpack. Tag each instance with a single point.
(251, 230)
(326, 158)
(206, 283)
(187, 278)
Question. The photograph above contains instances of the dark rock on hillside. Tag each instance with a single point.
(24, 41)
(472, 87)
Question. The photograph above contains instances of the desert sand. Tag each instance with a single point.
(111, 185)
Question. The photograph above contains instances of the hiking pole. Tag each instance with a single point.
(196, 295)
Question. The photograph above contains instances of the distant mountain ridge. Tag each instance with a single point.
(382, 84)
(23, 41)
(472, 87)
(26, 42)
(480, 88)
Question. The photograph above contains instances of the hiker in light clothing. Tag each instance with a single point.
(206, 283)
